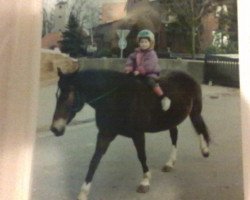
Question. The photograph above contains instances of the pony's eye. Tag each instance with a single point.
(58, 92)
(61, 94)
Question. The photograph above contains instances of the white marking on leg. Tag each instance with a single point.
(59, 124)
(84, 191)
(203, 145)
(146, 179)
(172, 158)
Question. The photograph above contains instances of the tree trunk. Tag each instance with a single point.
(193, 30)
(193, 41)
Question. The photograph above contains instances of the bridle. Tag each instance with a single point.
(79, 99)
(78, 102)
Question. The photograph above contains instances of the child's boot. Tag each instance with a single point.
(165, 101)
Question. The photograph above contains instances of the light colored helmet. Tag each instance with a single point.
(147, 34)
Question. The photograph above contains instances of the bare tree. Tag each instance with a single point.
(189, 13)
(77, 8)
(228, 27)
(87, 12)
(48, 22)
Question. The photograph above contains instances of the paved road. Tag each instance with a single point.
(60, 164)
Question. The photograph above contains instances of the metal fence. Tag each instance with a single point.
(221, 70)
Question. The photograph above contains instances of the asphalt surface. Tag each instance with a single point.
(60, 164)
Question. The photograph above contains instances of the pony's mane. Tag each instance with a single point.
(110, 78)
(103, 72)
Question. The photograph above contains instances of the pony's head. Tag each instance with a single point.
(69, 101)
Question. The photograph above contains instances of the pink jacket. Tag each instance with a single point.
(146, 62)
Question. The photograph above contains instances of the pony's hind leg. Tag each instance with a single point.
(202, 131)
(102, 144)
(171, 162)
(139, 142)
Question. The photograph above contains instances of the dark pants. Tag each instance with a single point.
(151, 82)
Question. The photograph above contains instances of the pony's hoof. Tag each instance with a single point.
(82, 196)
(143, 188)
(205, 153)
(167, 168)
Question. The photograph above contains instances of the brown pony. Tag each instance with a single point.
(126, 106)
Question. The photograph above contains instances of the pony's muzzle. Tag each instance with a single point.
(57, 132)
(58, 127)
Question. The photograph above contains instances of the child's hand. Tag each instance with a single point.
(128, 69)
(141, 70)
(136, 73)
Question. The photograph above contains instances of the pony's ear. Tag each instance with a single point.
(59, 72)
(77, 69)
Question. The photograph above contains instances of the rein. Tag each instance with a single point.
(102, 96)
(77, 106)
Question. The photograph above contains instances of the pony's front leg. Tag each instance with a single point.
(139, 142)
(102, 144)
(171, 162)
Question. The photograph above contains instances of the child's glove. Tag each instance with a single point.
(141, 70)
(128, 69)
(136, 73)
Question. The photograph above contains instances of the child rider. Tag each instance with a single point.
(144, 61)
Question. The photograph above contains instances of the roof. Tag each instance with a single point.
(51, 40)
(112, 12)
(61, 3)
